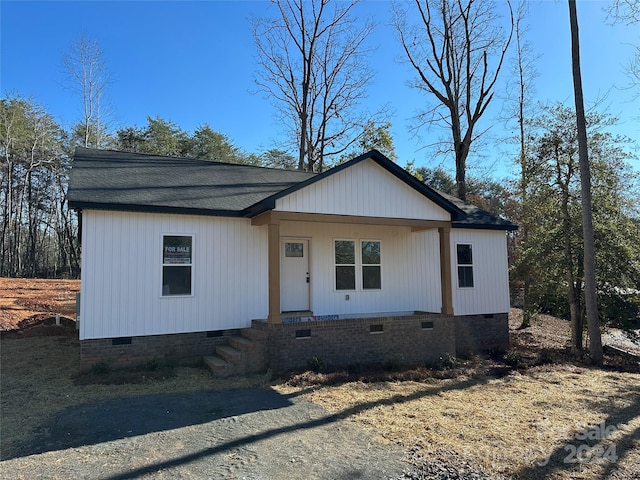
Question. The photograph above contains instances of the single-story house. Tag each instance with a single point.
(362, 263)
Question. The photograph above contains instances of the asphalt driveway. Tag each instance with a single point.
(253, 434)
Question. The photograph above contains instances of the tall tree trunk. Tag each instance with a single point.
(29, 264)
(524, 230)
(462, 151)
(573, 286)
(591, 300)
(5, 241)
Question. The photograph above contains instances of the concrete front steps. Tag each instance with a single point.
(245, 353)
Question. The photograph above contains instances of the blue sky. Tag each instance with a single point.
(193, 63)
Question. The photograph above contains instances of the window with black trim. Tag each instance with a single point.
(371, 265)
(177, 264)
(464, 257)
(345, 259)
(366, 259)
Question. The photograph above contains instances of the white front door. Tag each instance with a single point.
(294, 275)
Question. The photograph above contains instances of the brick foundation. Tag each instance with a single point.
(399, 340)
(183, 348)
(402, 340)
(482, 333)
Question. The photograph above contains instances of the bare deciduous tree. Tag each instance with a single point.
(633, 68)
(628, 12)
(520, 91)
(590, 293)
(312, 64)
(88, 76)
(39, 235)
(457, 47)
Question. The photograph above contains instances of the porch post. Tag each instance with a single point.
(274, 273)
(445, 270)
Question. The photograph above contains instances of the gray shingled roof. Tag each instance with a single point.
(113, 180)
(139, 182)
(475, 217)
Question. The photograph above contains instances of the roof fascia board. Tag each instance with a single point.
(479, 226)
(152, 209)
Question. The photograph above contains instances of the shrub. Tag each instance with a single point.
(512, 358)
(445, 362)
(315, 364)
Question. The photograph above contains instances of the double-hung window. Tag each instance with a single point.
(464, 259)
(345, 257)
(177, 264)
(358, 264)
(371, 266)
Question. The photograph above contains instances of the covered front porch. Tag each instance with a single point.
(415, 266)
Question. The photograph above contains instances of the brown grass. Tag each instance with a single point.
(502, 426)
(509, 426)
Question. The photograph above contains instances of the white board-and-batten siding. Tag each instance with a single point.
(122, 274)
(490, 293)
(410, 265)
(365, 189)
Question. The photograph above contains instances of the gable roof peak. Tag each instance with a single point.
(384, 162)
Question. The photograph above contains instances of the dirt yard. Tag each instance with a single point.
(535, 413)
(32, 300)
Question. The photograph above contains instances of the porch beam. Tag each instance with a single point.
(264, 218)
(275, 217)
(428, 225)
(445, 270)
(274, 273)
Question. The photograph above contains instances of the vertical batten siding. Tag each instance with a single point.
(490, 293)
(122, 275)
(410, 268)
(365, 189)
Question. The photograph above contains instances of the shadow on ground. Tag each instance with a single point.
(229, 423)
(119, 418)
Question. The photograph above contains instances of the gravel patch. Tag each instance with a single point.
(254, 434)
(442, 465)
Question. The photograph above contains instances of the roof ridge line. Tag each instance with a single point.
(168, 157)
